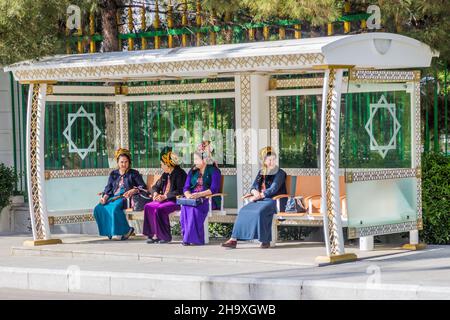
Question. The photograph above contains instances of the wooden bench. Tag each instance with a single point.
(306, 186)
(309, 188)
(214, 216)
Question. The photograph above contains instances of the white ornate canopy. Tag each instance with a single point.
(369, 50)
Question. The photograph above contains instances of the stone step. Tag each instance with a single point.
(186, 287)
(136, 251)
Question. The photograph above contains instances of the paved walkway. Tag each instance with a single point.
(133, 268)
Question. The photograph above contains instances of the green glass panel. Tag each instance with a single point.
(390, 125)
(298, 123)
(82, 134)
(181, 125)
(377, 130)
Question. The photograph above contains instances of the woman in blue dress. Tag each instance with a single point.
(254, 220)
(122, 184)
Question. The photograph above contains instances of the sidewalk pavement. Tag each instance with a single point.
(92, 265)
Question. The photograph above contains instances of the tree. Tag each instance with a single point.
(316, 12)
(34, 28)
(424, 20)
(108, 10)
(30, 28)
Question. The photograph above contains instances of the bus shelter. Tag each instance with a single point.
(360, 95)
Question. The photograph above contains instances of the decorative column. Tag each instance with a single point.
(329, 168)
(36, 166)
(121, 123)
(243, 135)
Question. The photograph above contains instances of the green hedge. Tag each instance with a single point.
(436, 198)
(8, 179)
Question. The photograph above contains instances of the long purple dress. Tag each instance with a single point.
(192, 218)
(156, 214)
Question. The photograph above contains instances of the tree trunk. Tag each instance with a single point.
(110, 33)
(110, 29)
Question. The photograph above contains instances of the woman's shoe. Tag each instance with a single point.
(109, 237)
(230, 244)
(185, 243)
(126, 236)
(152, 240)
(163, 241)
(265, 245)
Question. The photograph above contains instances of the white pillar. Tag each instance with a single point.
(366, 243)
(260, 118)
(329, 161)
(252, 127)
(35, 161)
(205, 227)
(414, 237)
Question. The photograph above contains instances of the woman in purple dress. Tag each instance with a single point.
(202, 180)
(165, 191)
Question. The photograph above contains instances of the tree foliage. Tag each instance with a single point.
(29, 28)
(8, 178)
(436, 198)
(35, 28)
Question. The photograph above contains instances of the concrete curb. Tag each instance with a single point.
(144, 257)
(184, 287)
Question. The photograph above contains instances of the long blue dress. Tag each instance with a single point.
(110, 218)
(192, 218)
(254, 220)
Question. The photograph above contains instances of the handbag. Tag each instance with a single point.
(140, 199)
(189, 202)
(295, 205)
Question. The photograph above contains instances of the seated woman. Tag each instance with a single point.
(122, 184)
(165, 191)
(254, 221)
(202, 180)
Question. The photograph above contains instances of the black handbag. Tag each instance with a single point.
(140, 199)
(189, 202)
(295, 205)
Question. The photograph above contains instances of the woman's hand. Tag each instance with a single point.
(130, 193)
(103, 199)
(188, 195)
(196, 195)
(199, 195)
(161, 198)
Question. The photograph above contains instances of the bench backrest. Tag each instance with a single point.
(310, 186)
(151, 180)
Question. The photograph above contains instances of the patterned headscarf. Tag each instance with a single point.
(266, 151)
(263, 153)
(122, 152)
(206, 151)
(169, 158)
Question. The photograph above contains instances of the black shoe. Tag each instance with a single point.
(265, 245)
(152, 240)
(230, 244)
(163, 241)
(185, 243)
(109, 237)
(126, 236)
